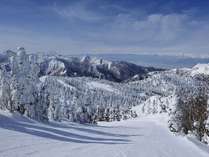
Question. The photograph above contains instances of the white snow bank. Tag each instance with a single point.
(200, 69)
(65, 84)
(102, 86)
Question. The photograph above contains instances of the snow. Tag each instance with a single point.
(156, 105)
(98, 61)
(43, 78)
(61, 81)
(56, 66)
(66, 85)
(144, 137)
(86, 100)
(200, 69)
(98, 85)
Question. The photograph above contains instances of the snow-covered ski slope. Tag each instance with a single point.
(141, 137)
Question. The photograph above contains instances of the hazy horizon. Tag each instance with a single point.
(142, 59)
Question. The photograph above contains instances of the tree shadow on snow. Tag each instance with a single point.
(91, 129)
(200, 145)
(46, 131)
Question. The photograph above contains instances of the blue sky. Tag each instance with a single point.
(106, 26)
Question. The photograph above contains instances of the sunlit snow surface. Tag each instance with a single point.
(144, 137)
(98, 85)
(200, 69)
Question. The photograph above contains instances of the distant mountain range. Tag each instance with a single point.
(117, 71)
(160, 61)
(96, 67)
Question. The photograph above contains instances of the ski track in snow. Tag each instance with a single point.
(142, 137)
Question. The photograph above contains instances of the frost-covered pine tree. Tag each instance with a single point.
(19, 85)
(7, 100)
(24, 76)
(191, 111)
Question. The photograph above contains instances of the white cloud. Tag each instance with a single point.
(122, 32)
(77, 11)
(174, 33)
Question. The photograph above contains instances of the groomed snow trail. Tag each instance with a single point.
(144, 137)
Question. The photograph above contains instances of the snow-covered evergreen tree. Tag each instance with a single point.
(191, 111)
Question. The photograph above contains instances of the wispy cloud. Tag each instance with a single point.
(77, 11)
(104, 26)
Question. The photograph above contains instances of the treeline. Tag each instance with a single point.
(58, 98)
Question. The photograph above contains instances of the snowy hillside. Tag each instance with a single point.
(53, 95)
(139, 137)
(48, 98)
(200, 69)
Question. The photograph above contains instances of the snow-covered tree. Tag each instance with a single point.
(191, 111)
